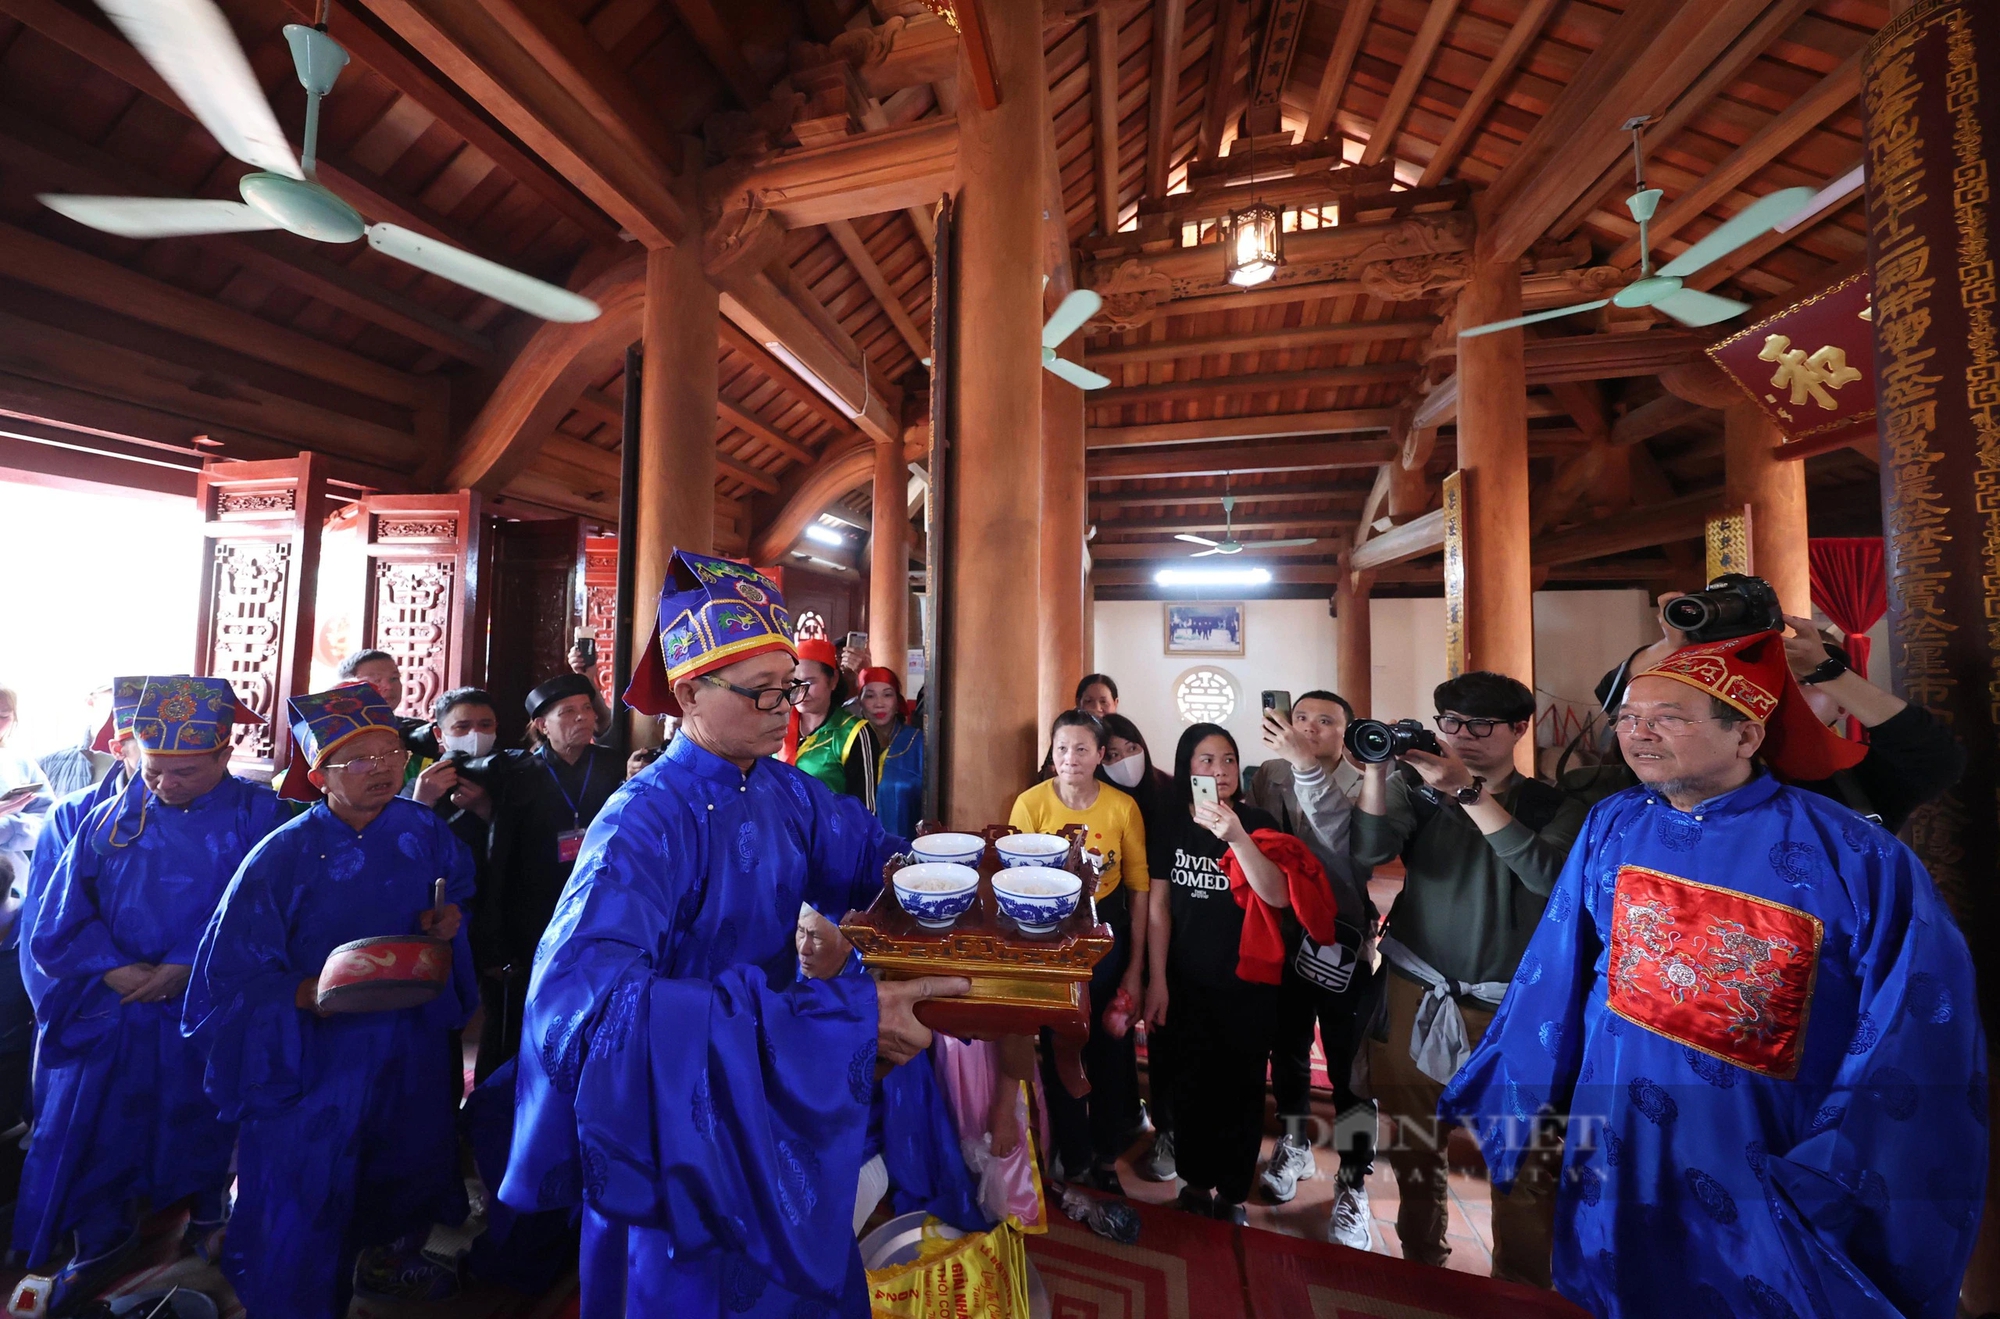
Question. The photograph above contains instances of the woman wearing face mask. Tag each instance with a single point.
(821, 730)
(1238, 892)
(1091, 1133)
(885, 762)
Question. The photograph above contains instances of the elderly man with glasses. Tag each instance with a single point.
(1481, 848)
(704, 1105)
(1760, 1018)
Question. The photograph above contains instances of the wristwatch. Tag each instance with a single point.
(1825, 671)
(1471, 792)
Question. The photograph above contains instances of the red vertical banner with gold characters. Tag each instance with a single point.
(1811, 367)
(1931, 120)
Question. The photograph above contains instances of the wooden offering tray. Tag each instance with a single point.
(1020, 982)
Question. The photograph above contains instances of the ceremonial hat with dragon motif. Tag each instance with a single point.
(183, 715)
(322, 722)
(124, 705)
(713, 612)
(1750, 675)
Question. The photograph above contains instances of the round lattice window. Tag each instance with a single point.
(1205, 696)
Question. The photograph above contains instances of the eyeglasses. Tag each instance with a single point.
(365, 765)
(766, 699)
(1666, 725)
(1454, 724)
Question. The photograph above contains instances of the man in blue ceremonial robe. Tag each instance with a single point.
(1760, 1020)
(704, 1105)
(123, 1125)
(348, 1136)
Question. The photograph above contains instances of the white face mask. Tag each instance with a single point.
(474, 744)
(1126, 773)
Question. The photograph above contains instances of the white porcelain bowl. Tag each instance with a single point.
(1038, 898)
(965, 849)
(1031, 849)
(937, 893)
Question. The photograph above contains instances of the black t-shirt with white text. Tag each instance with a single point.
(1207, 923)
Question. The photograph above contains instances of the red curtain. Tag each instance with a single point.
(1850, 587)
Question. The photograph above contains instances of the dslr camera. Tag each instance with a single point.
(1733, 605)
(1372, 741)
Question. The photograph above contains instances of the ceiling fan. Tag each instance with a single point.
(1664, 290)
(191, 45)
(1070, 314)
(1229, 544)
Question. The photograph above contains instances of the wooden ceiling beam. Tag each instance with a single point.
(1827, 97)
(1412, 540)
(865, 174)
(1654, 418)
(62, 164)
(1637, 528)
(1338, 491)
(725, 54)
(732, 469)
(1345, 421)
(1339, 65)
(846, 464)
(735, 415)
(1423, 49)
(1271, 382)
(1223, 460)
(1439, 233)
(1774, 23)
(1470, 115)
(542, 76)
(357, 31)
(1219, 93)
(35, 260)
(1262, 341)
(1206, 522)
(767, 313)
(1652, 53)
(796, 390)
(1169, 19)
(1104, 114)
(891, 303)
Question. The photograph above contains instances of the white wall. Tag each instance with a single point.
(1289, 644)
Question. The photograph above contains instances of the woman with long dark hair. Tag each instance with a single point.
(1233, 880)
(885, 763)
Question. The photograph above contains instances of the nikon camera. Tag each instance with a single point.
(1371, 741)
(1733, 605)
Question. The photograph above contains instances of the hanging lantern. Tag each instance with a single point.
(1254, 246)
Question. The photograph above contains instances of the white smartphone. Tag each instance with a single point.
(1204, 788)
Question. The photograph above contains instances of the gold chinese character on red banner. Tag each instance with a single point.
(1828, 390)
(1808, 376)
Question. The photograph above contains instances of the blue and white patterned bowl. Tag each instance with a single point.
(1031, 849)
(936, 893)
(964, 849)
(1037, 898)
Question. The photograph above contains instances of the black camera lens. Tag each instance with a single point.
(1371, 741)
(1689, 613)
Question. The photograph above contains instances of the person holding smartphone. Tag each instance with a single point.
(1217, 1024)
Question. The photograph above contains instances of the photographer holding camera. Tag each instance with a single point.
(1481, 848)
(1911, 759)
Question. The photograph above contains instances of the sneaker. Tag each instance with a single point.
(1199, 1203)
(1291, 1163)
(1159, 1164)
(1352, 1225)
(1232, 1211)
(1103, 1179)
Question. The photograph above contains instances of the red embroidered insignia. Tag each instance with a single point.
(1714, 969)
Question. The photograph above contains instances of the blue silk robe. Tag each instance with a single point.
(122, 1115)
(349, 1121)
(705, 1108)
(1761, 1020)
(899, 788)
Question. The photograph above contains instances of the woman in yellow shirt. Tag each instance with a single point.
(1091, 1133)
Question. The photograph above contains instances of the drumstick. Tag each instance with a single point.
(163, 1303)
(437, 901)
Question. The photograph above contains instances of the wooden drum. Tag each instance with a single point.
(385, 975)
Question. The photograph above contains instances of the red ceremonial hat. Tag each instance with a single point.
(869, 675)
(1750, 675)
(820, 650)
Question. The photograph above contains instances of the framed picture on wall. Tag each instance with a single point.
(1208, 627)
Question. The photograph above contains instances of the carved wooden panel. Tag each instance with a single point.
(533, 586)
(410, 616)
(246, 633)
(600, 603)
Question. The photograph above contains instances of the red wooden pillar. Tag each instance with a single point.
(259, 580)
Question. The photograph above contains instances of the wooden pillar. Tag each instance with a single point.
(1493, 455)
(1354, 645)
(1927, 120)
(1776, 494)
(889, 562)
(1065, 510)
(990, 703)
(676, 507)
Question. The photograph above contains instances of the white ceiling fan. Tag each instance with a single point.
(191, 45)
(1229, 544)
(1665, 291)
(1070, 314)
